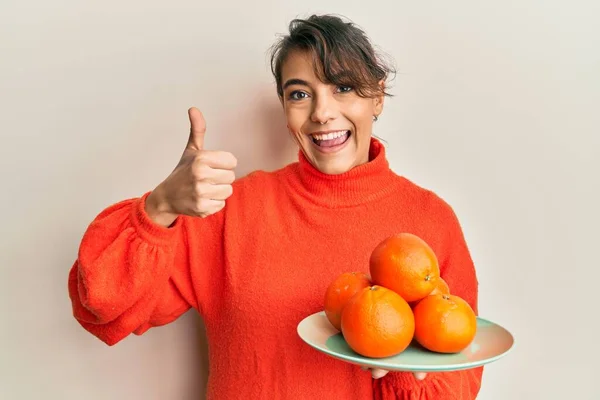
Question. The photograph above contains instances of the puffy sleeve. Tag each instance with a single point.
(132, 274)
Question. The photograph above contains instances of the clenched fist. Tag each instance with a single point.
(199, 184)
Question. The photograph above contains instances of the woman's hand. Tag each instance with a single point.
(200, 183)
(378, 373)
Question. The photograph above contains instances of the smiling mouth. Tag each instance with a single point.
(330, 139)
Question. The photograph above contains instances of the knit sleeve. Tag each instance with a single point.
(458, 270)
(131, 274)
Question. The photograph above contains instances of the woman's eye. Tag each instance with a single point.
(298, 95)
(344, 89)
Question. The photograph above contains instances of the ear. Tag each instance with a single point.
(378, 100)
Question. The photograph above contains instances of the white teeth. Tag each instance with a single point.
(330, 135)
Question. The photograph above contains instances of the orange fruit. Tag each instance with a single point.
(339, 292)
(444, 323)
(377, 322)
(440, 287)
(406, 264)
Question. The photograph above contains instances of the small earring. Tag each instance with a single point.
(375, 117)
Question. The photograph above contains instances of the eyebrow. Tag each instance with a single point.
(294, 81)
(339, 77)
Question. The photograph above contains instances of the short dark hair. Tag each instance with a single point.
(342, 54)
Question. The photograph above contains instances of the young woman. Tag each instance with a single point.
(254, 256)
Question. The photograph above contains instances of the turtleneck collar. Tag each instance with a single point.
(362, 184)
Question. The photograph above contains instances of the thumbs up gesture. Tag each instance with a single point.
(199, 184)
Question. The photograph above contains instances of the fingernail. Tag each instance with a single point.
(420, 375)
(378, 374)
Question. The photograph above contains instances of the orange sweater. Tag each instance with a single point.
(256, 269)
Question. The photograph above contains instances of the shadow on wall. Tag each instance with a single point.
(201, 385)
(261, 139)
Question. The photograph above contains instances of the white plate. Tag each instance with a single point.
(491, 343)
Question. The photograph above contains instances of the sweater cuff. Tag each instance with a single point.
(149, 230)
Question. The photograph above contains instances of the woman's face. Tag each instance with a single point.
(331, 124)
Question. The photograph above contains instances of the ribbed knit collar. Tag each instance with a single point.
(362, 184)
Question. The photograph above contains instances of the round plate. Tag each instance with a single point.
(491, 342)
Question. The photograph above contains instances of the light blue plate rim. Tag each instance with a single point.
(385, 363)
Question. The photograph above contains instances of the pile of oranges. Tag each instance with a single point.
(403, 299)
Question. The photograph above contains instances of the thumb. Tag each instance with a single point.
(197, 129)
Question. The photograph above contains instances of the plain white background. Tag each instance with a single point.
(496, 109)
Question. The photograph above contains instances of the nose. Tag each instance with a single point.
(325, 108)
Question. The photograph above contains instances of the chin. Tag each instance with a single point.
(332, 162)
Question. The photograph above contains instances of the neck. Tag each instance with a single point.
(363, 183)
